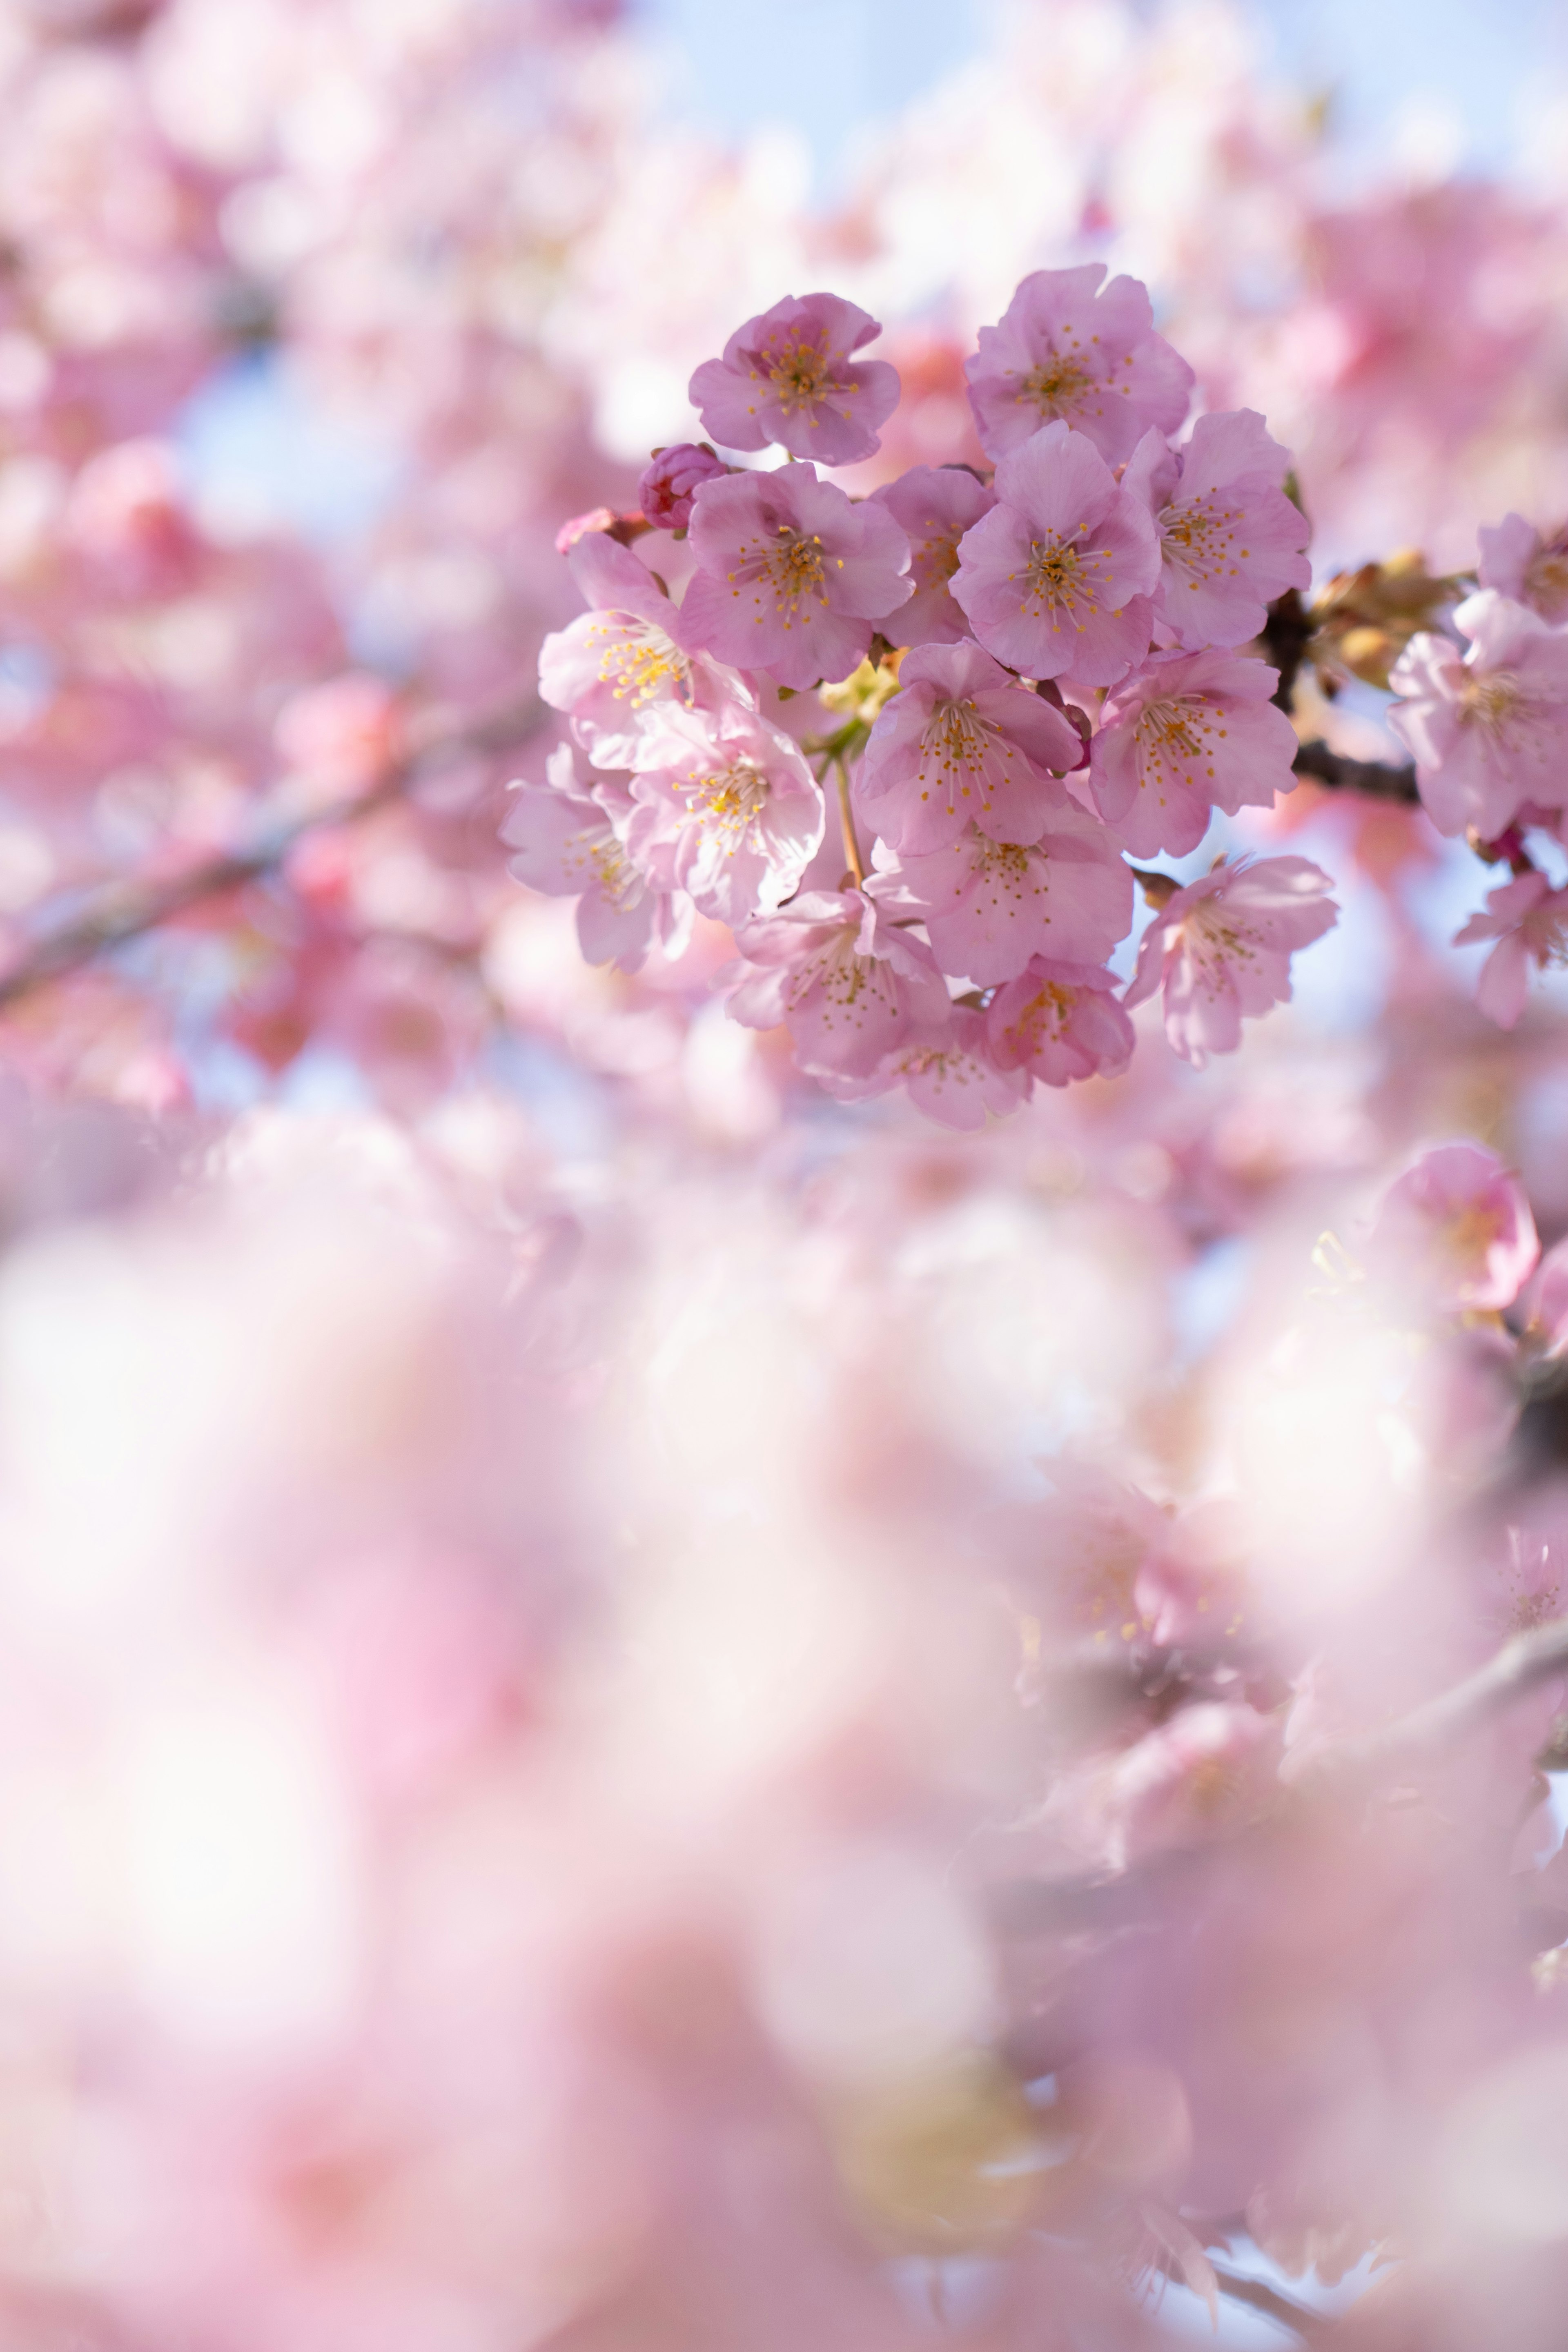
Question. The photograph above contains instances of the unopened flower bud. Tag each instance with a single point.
(668, 488)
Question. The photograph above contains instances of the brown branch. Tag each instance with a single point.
(1375, 779)
(129, 910)
(1522, 1662)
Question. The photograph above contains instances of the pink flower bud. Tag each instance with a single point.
(668, 488)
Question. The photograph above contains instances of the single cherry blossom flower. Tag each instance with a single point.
(1056, 576)
(1222, 947)
(962, 739)
(1457, 1225)
(572, 842)
(1488, 728)
(609, 665)
(790, 375)
(835, 970)
(948, 1069)
(729, 810)
(1528, 920)
(1230, 539)
(792, 574)
(670, 483)
(934, 506)
(1185, 734)
(989, 905)
(1067, 347)
(1059, 1020)
(1522, 564)
(1204, 1772)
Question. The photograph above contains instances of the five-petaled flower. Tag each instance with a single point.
(1056, 578)
(728, 809)
(841, 976)
(1222, 947)
(1230, 539)
(790, 375)
(792, 574)
(1488, 728)
(1184, 735)
(1457, 1230)
(989, 905)
(961, 740)
(608, 667)
(948, 1069)
(1059, 1020)
(1067, 347)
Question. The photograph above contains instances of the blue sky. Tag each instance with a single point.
(827, 66)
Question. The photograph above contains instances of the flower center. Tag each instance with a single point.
(956, 753)
(799, 375)
(728, 803)
(1199, 539)
(1057, 384)
(618, 877)
(1489, 701)
(1061, 577)
(1546, 582)
(638, 662)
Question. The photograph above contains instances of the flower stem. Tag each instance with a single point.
(851, 846)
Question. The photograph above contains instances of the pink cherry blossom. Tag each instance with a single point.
(729, 811)
(1185, 735)
(1488, 728)
(790, 375)
(960, 741)
(792, 574)
(1524, 564)
(949, 1070)
(606, 668)
(1208, 1768)
(933, 506)
(1056, 576)
(1547, 1299)
(1458, 1226)
(571, 842)
(989, 905)
(1528, 920)
(1067, 347)
(835, 969)
(1221, 949)
(670, 483)
(1230, 539)
(1059, 1020)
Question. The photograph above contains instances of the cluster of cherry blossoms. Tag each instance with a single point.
(1033, 670)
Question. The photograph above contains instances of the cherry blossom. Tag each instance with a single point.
(949, 1070)
(790, 375)
(1185, 734)
(1488, 727)
(960, 742)
(670, 483)
(1056, 578)
(729, 811)
(608, 667)
(990, 906)
(1069, 348)
(1529, 568)
(834, 969)
(1528, 920)
(1059, 1020)
(1458, 1225)
(1230, 539)
(1221, 948)
(573, 842)
(933, 506)
(790, 574)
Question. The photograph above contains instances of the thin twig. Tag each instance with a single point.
(128, 910)
(846, 820)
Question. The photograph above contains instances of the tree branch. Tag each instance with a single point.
(128, 910)
(1522, 1662)
(1375, 779)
